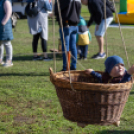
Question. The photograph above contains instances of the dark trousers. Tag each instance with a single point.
(84, 50)
(35, 43)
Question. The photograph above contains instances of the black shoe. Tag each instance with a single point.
(99, 56)
(80, 58)
(94, 55)
(47, 59)
(62, 70)
(72, 68)
(37, 58)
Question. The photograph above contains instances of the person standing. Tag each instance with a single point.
(70, 12)
(6, 34)
(96, 9)
(38, 26)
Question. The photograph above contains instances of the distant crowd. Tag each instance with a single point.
(76, 32)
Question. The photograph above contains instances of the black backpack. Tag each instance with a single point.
(110, 4)
(70, 11)
(31, 9)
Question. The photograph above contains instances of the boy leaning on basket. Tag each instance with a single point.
(115, 71)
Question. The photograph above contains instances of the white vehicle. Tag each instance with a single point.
(18, 6)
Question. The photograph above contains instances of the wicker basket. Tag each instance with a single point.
(90, 102)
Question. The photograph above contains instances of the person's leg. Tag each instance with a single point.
(9, 51)
(85, 51)
(82, 51)
(72, 45)
(66, 31)
(44, 47)
(1, 52)
(78, 50)
(35, 44)
(100, 41)
(99, 33)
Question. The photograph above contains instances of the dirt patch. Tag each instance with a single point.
(24, 119)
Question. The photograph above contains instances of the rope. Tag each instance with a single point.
(105, 28)
(61, 25)
(122, 38)
(123, 42)
(53, 29)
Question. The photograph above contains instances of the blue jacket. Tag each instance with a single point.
(6, 30)
(98, 76)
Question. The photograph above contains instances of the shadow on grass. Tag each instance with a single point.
(25, 74)
(22, 58)
(30, 58)
(117, 132)
(132, 92)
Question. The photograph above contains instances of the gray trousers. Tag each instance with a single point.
(8, 47)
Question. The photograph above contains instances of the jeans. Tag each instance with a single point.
(84, 50)
(9, 49)
(70, 43)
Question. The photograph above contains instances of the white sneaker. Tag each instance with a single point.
(8, 64)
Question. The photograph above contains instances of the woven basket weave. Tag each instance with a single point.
(90, 102)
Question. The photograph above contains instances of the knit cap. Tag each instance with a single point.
(112, 61)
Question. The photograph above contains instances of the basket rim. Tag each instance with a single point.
(79, 71)
(86, 86)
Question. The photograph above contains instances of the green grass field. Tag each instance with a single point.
(28, 100)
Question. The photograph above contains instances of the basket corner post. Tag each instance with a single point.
(51, 70)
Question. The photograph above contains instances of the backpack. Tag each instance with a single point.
(70, 11)
(110, 5)
(74, 13)
(83, 35)
(31, 9)
(83, 38)
(14, 18)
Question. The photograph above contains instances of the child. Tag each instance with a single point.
(83, 38)
(115, 71)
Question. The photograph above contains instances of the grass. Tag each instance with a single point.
(28, 102)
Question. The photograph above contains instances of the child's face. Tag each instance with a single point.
(118, 70)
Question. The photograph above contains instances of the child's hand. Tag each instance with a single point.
(88, 71)
(131, 70)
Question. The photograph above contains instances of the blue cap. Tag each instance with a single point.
(112, 61)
